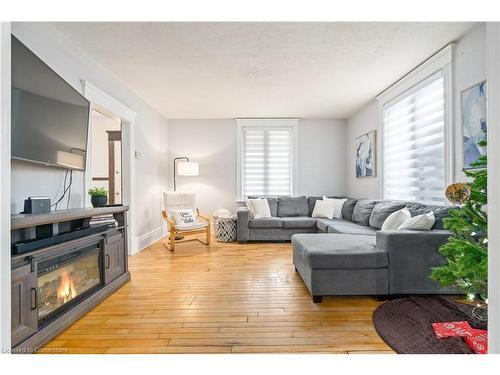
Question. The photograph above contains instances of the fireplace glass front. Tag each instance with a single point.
(62, 285)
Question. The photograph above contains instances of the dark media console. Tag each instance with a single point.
(61, 269)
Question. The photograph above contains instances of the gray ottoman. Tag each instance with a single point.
(333, 264)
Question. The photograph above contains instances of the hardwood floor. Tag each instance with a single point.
(225, 298)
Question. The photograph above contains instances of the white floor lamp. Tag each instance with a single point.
(186, 168)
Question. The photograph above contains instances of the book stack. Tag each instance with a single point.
(103, 220)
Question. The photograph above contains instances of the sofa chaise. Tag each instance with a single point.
(352, 256)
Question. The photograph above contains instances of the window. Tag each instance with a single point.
(414, 143)
(266, 157)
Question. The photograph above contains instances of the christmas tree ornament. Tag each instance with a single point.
(458, 193)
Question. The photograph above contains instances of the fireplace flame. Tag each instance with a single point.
(66, 290)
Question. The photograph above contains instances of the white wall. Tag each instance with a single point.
(5, 285)
(212, 143)
(150, 134)
(364, 121)
(493, 56)
(469, 69)
(322, 157)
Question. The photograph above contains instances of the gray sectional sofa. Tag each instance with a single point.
(352, 256)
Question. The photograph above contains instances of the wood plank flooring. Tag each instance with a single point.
(226, 298)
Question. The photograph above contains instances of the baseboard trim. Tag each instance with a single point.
(141, 242)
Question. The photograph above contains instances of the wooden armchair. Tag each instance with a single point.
(184, 200)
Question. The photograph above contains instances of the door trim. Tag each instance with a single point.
(109, 106)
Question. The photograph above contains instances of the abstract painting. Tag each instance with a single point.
(365, 155)
(474, 112)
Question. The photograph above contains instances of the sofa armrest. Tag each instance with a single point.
(408, 240)
(412, 254)
(243, 233)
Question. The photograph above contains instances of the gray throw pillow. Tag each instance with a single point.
(348, 208)
(311, 201)
(273, 205)
(363, 210)
(292, 206)
(440, 212)
(382, 210)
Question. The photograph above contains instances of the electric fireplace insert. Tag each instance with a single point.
(65, 280)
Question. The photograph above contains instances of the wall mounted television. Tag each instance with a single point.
(49, 117)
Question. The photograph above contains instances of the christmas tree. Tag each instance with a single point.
(466, 251)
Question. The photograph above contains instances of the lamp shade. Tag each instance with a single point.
(188, 168)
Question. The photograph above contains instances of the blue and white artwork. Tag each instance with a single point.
(365, 155)
(474, 112)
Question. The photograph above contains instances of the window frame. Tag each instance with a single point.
(241, 123)
(440, 61)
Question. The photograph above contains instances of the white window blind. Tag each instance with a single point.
(414, 143)
(266, 160)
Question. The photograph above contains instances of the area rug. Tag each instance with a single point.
(406, 325)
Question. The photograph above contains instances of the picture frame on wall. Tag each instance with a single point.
(474, 122)
(366, 155)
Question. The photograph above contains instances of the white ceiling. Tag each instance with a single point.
(227, 70)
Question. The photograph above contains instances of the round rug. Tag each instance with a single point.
(406, 325)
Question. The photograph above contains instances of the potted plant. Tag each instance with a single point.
(99, 196)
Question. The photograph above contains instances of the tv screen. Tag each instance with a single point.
(49, 117)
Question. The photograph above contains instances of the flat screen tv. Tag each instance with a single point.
(49, 117)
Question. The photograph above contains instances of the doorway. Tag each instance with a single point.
(107, 155)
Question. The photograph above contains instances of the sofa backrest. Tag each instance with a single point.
(273, 205)
(440, 212)
(383, 208)
(292, 206)
(367, 212)
(362, 211)
(311, 201)
(348, 208)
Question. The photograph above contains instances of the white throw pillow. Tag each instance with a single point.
(323, 209)
(395, 219)
(259, 208)
(250, 208)
(337, 205)
(420, 222)
(184, 217)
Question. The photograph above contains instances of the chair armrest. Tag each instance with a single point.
(243, 233)
(202, 216)
(412, 254)
(170, 222)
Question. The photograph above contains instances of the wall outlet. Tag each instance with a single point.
(138, 155)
